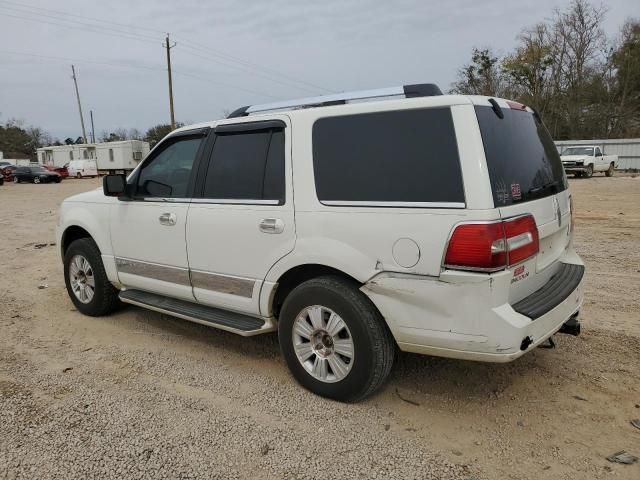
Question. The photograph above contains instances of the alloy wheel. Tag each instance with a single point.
(323, 344)
(83, 283)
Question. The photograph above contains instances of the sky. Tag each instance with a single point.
(230, 53)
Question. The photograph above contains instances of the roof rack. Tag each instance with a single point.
(407, 91)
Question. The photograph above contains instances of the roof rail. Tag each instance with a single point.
(407, 91)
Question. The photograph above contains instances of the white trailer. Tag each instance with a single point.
(110, 157)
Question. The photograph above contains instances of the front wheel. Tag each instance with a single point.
(36, 179)
(86, 280)
(16, 180)
(589, 171)
(610, 170)
(334, 340)
(78, 175)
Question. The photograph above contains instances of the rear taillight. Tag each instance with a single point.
(492, 246)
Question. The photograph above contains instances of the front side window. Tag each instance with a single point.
(247, 166)
(404, 156)
(167, 173)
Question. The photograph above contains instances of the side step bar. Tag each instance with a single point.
(244, 325)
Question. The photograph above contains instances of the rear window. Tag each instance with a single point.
(408, 156)
(523, 161)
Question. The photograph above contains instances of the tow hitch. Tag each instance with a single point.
(571, 326)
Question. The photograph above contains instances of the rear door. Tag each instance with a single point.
(243, 221)
(527, 177)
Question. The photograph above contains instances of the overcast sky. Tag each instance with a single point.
(232, 53)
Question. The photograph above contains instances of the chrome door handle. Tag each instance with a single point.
(271, 225)
(168, 219)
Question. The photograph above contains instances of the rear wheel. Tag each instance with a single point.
(86, 280)
(334, 340)
(16, 180)
(610, 170)
(78, 175)
(36, 179)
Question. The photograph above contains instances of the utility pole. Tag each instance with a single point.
(169, 47)
(75, 81)
(93, 130)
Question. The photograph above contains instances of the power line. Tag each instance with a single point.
(67, 25)
(144, 67)
(39, 9)
(196, 46)
(221, 58)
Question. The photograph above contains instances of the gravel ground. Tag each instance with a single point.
(143, 395)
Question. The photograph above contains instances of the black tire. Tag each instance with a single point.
(36, 180)
(105, 299)
(374, 346)
(16, 179)
(589, 171)
(610, 170)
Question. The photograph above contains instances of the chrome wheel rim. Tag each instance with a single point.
(36, 180)
(323, 344)
(83, 283)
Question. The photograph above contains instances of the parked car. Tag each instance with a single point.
(408, 219)
(7, 172)
(1, 180)
(35, 174)
(62, 171)
(82, 168)
(585, 160)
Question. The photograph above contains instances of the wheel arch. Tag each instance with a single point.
(299, 274)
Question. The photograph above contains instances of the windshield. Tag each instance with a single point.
(523, 161)
(578, 151)
(39, 170)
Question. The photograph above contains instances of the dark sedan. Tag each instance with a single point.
(35, 175)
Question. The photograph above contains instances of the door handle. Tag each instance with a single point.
(271, 225)
(168, 219)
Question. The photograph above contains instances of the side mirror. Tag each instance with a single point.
(114, 185)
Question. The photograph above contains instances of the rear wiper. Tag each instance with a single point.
(546, 186)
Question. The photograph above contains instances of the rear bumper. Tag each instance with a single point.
(470, 318)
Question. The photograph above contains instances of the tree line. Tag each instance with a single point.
(18, 140)
(583, 83)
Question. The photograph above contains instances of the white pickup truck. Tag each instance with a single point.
(585, 159)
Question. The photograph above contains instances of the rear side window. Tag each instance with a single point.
(247, 166)
(523, 161)
(408, 156)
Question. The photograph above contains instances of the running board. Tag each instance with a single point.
(244, 325)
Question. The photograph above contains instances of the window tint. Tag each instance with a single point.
(598, 152)
(167, 173)
(398, 156)
(247, 166)
(522, 159)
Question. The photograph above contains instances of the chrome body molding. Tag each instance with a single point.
(156, 271)
(242, 287)
(348, 203)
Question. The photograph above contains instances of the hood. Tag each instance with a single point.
(574, 158)
(92, 196)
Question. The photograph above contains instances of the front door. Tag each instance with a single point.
(148, 231)
(243, 222)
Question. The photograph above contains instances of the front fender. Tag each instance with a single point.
(94, 218)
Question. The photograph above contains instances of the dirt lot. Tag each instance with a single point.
(139, 394)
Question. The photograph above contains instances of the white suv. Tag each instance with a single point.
(352, 224)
